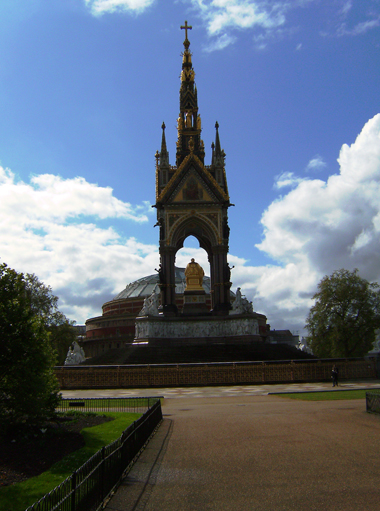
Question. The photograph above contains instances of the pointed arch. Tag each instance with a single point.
(198, 227)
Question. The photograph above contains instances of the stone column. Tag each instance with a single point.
(168, 285)
(221, 288)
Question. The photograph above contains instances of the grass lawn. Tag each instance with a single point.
(326, 395)
(21, 495)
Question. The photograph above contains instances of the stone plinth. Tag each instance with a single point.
(197, 330)
(194, 303)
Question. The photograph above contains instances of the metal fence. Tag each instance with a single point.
(107, 404)
(372, 399)
(88, 487)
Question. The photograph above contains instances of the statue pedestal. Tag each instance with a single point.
(163, 331)
(194, 303)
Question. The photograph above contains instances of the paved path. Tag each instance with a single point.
(246, 450)
(219, 391)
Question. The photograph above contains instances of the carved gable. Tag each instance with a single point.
(192, 183)
(192, 188)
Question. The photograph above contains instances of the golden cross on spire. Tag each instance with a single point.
(186, 27)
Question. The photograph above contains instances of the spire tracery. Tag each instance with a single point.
(189, 128)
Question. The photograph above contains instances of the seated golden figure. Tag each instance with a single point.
(194, 276)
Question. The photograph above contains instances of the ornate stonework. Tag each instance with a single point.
(151, 328)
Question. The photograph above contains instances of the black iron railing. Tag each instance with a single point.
(107, 404)
(88, 487)
(372, 398)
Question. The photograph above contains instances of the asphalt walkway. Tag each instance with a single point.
(243, 449)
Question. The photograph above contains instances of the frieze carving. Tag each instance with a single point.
(159, 329)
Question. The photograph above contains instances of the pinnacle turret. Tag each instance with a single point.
(164, 155)
(218, 153)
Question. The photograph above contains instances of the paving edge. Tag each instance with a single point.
(322, 390)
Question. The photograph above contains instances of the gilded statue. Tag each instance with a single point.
(194, 276)
(188, 120)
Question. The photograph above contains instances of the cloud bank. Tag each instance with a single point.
(318, 227)
(52, 227)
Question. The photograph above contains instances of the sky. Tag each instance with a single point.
(294, 85)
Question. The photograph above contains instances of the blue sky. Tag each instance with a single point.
(84, 88)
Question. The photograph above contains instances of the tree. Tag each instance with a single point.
(28, 386)
(346, 313)
(45, 305)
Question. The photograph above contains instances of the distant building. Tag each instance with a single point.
(283, 337)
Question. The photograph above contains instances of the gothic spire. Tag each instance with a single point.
(189, 121)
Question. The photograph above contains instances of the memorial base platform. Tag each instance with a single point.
(160, 330)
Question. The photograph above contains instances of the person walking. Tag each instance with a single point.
(334, 375)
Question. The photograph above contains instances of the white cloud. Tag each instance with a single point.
(220, 43)
(319, 227)
(268, 21)
(315, 164)
(51, 197)
(346, 8)
(241, 14)
(222, 16)
(359, 28)
(48, 227)
(286, 179)
(101, 6)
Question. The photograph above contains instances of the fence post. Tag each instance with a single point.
(102, 473)
(73, 490)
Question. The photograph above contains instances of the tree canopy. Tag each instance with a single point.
(45, 305)
(28, 387)
(34, 334)
(346, 313)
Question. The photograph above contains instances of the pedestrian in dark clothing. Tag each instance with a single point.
(334, 375)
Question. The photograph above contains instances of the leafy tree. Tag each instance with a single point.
(28, 386)
(346, 313)
(45, 305)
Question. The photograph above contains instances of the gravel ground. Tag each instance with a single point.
(258, 453)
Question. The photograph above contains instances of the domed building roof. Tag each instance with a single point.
(144, 287)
